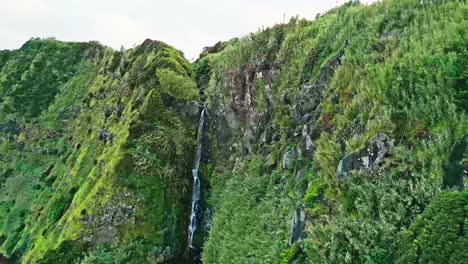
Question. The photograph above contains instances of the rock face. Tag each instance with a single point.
(117, 213)
(287, 160)
(377, 148)
(239, 111)
(297, 225)
(241, 84)
(272, 112)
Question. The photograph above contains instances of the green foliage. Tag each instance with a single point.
(75, 165)
(394, 67)
(68, 252)
(251, 219)
(439, 234)
(327, 155)
(132, 253)
(177, 86)
(238, 53)
(33, 75)
(315, 193)
(288, 255)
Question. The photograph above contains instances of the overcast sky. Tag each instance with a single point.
(188, 25)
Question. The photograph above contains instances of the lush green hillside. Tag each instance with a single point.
(358, 118)
(96, 150)
(338, 140)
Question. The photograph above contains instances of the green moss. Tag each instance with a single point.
(86, 168)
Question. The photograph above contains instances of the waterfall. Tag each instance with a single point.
(196, 189)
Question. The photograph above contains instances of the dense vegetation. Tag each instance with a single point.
(383, 84)
(353, 124)
(95, 152)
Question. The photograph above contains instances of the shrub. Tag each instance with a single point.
(176, 85)
(438, 234)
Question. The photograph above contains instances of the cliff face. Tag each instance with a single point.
(96, 149)
(346, 123)
(341, 140)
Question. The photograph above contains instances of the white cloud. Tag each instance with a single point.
(188, 25)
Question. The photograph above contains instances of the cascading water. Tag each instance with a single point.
(196, 189)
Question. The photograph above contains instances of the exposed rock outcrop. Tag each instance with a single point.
(297, 225)
(377, 148)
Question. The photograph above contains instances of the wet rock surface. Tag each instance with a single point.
(297, 225)
(287, 160)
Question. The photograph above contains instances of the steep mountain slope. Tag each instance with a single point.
(338, 140)
(96, 149)
(349, 123)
